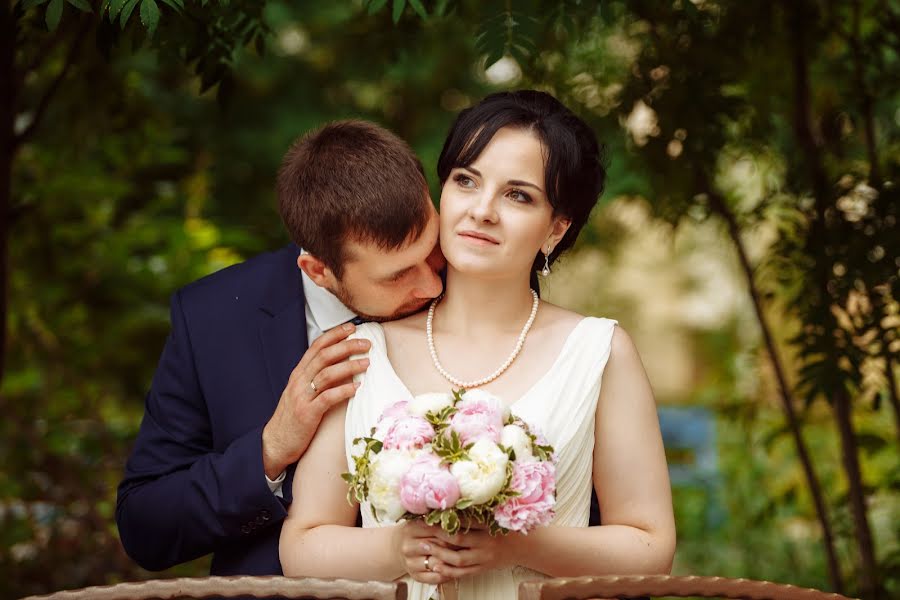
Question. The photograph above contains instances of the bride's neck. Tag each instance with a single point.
(477, 307)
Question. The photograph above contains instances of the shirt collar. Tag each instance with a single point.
(326, 310)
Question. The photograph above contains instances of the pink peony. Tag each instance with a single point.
(536, 484)
(476, 420)
(428, 485)
(391, 414)
(407, 433)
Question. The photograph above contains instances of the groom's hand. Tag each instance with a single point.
(322, 379)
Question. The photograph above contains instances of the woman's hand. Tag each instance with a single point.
(465, 554)
(417, 545)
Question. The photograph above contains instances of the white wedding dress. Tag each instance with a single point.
(561, 404)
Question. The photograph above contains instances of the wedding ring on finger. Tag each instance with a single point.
(312, 386)
(427, 563)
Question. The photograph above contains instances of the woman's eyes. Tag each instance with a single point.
(516, 195)
(463, 180)
(519, 196)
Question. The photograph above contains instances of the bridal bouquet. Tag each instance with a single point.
(455, 459)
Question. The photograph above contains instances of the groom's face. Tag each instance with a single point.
(382, 285)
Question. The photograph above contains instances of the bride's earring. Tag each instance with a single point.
(546, 270)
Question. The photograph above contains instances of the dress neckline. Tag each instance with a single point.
(540, 380)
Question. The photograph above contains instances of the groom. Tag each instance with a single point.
(247, 372)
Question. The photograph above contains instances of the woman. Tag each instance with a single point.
(520, 174)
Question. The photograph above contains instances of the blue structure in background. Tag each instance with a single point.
(689, 435)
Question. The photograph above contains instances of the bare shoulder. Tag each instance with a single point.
(405, 329)
(556, 319)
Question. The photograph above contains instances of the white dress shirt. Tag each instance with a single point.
(323, 311)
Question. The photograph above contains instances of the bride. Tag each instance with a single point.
(520, 174)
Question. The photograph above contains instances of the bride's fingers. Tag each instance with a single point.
(427, 569)
(450, 573)
(455, 558)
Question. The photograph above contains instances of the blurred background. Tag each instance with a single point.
(748, 238)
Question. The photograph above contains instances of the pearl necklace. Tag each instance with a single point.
(429, 335)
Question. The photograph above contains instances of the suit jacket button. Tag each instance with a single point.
(265, 515)
(245, 528)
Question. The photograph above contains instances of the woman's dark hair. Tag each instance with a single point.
(574, 162)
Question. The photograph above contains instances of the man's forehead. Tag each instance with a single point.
(378, 258)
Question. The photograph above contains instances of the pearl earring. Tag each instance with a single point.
(546, 270)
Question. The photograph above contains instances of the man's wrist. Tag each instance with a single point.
(274, 465)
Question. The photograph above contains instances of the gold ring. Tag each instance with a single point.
(427, 566)
(312, 384)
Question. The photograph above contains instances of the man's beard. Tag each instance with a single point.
(410, 308)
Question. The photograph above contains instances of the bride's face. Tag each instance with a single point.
(495, 215)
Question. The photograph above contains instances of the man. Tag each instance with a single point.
(247, 372)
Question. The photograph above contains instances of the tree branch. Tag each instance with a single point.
(44, 51)
(866, 101)
(41, 110)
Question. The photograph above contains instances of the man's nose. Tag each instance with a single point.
(430, 284)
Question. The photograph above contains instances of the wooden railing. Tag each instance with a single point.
(576, 588)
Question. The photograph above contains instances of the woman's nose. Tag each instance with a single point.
(483, 208)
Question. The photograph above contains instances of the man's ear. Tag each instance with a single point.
(560, 227)
(316, 270)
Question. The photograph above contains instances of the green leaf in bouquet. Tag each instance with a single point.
(450, 521)
(458, 394)
(545, 453)
(464, 503)
(433, 518)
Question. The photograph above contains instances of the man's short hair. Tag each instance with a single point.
(351, 180)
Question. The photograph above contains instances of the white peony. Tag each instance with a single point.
(515, 437)
(426, 403)
(388, 468)
(489, 399)
(483, 475)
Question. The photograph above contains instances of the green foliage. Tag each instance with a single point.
(136, 182)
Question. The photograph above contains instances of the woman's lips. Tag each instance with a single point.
(479, 238)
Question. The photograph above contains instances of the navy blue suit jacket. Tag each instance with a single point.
(194, 482)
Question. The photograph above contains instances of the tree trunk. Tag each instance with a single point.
(892, 391)
(810, 143)
(7, 153)
(868, 579)
(787, 402)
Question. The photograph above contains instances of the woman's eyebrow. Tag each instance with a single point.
(510, 182)
(524, 184)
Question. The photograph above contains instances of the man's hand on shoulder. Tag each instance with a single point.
(322, 379)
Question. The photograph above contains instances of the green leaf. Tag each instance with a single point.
(419, 8)
(150, 15)
(399, 5)
(441, 7)
(26, 4)
(81, 5)
(54, 14)
(178, 5)
(450, 521)
(115, 7)
(129, 7)
(376, 5)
